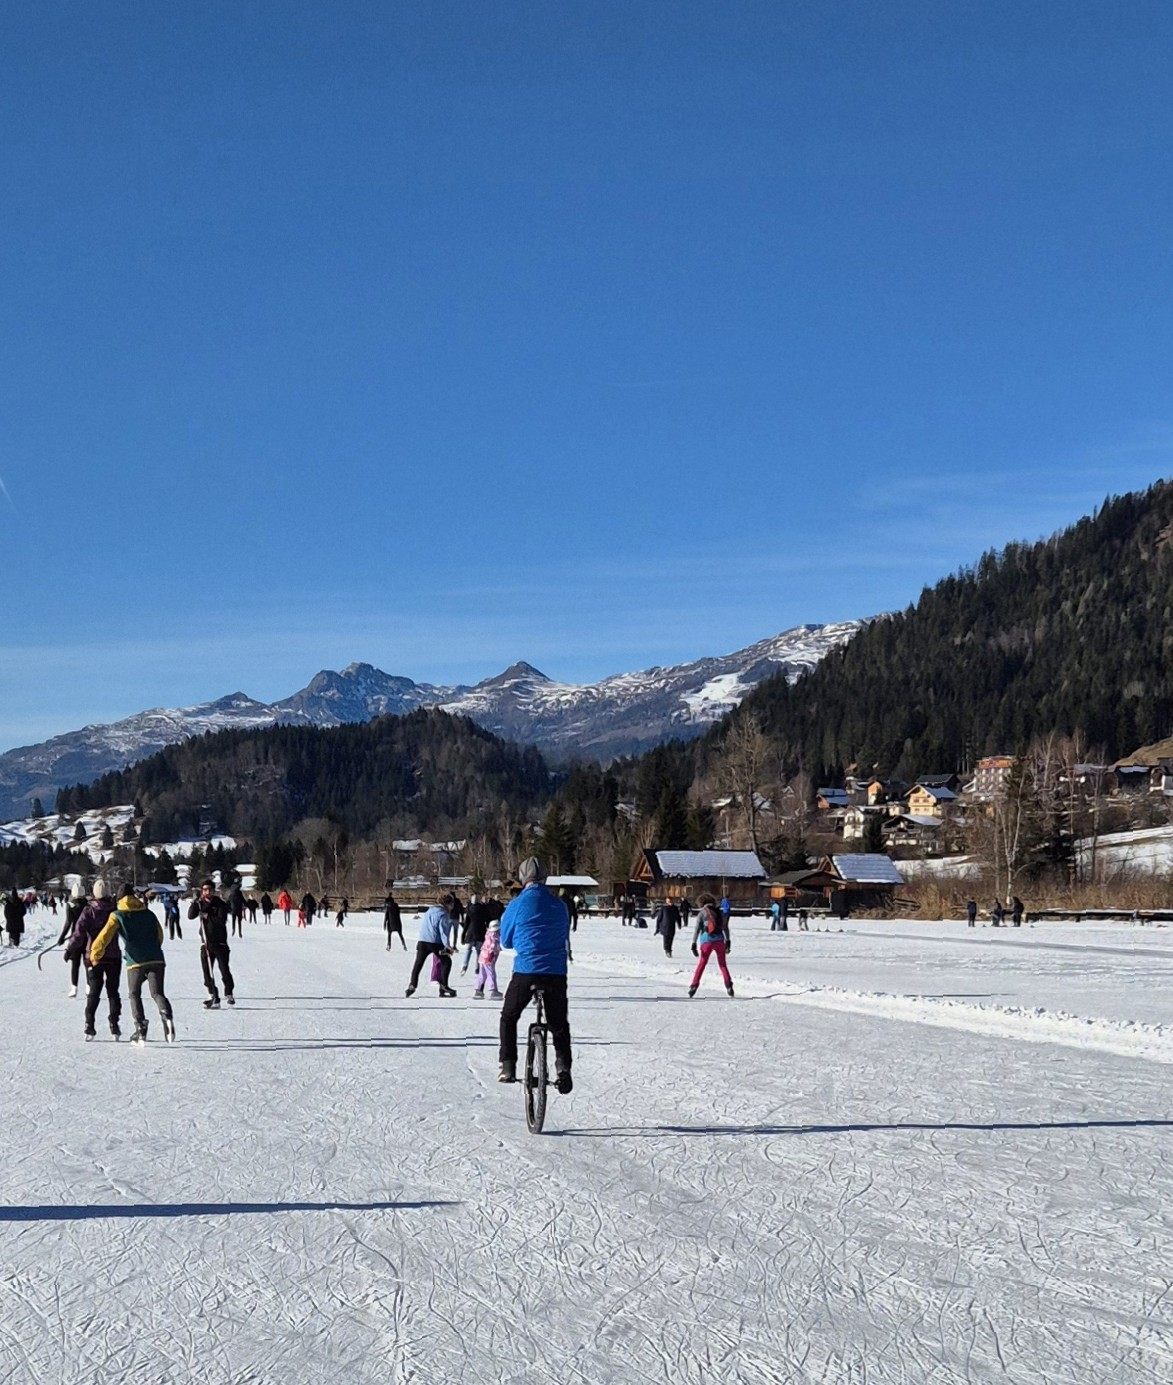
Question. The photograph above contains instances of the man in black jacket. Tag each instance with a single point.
(667, 922)
(476, 924)
(212, 913)
(393, 921)
(14, 912)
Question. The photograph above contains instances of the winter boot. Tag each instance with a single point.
(496, 995)
(564, 1083)
(507, 1072)
(478, 995)
(447, 992)
(115, 1033)
(140, 1037)
(73, 992)
(231, 999)
(90, 1036)
(729, 989)
(169, 1030)
(212, 1003)
(409, 992)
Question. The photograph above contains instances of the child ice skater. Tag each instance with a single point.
(490, 951)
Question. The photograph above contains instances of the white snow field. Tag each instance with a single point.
(905, 1152)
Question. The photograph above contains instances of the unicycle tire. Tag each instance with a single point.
(535, 1078)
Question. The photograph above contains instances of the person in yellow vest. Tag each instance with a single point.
(141, 935)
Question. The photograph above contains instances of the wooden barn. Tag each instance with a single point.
(736, 875)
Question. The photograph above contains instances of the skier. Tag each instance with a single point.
(1017, 909)
(107, 971)
(487, 971)
(14, 912)
(343, 909)
(73, 911)
(267, 907)
(476, 925)
(392, 921)
(971, 913)
(309, 906)
(667, 922)
(171, 916)
(712, 932)
(212, 913)
(536, 925)
(142, 938)
(236, 905)
(435, 940)
(285, 904)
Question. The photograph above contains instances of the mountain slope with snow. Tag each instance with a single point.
(618, 715)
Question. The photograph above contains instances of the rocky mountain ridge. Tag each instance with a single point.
(618, 715)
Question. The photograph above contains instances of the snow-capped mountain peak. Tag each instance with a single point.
(622, 714)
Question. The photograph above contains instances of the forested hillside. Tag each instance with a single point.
(1073, 633)
(430, 770)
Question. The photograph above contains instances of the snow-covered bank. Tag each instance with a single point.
(327, 1183)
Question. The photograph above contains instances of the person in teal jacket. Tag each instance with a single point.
(141, 935)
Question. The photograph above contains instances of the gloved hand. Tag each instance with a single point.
(695, 953)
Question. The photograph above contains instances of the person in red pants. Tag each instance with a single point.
(712, 935)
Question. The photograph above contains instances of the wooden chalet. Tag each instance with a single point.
(736, 875)
(864, 881)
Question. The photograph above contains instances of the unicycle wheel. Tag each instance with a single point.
(536, 1078)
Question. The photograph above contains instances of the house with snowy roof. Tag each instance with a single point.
(930, 800)
(735, 875)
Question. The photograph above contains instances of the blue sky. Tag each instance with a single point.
(600, 335)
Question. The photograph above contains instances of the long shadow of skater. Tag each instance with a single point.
(649, 1132)
(100, 1211)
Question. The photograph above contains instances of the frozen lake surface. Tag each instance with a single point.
(905, 1152)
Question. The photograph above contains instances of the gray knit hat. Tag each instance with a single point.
(531, 869)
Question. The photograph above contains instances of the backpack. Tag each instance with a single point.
(714, 923)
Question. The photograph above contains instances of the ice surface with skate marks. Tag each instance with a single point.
(816, 1181)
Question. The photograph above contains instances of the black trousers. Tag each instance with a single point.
(422, 952)
(669, 938)
(238, 924)
(518, 996)
(216, 954)
(173, 929)
(74, 968)
(392, 931)
(105, 976)
(152, 973)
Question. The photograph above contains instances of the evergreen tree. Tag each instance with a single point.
(872, 840)
(38, 808)
(555, 841)
(79, 833)
(107, 838)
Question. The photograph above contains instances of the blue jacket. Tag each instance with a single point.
(536, 925)
(436, 926)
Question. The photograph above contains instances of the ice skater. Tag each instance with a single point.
(435, 940)
(212, 913)
(106, 973)
(73, 911)
(487, 971)
(141, 935)
(714, 939)
(393, 921)
(667, 922)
